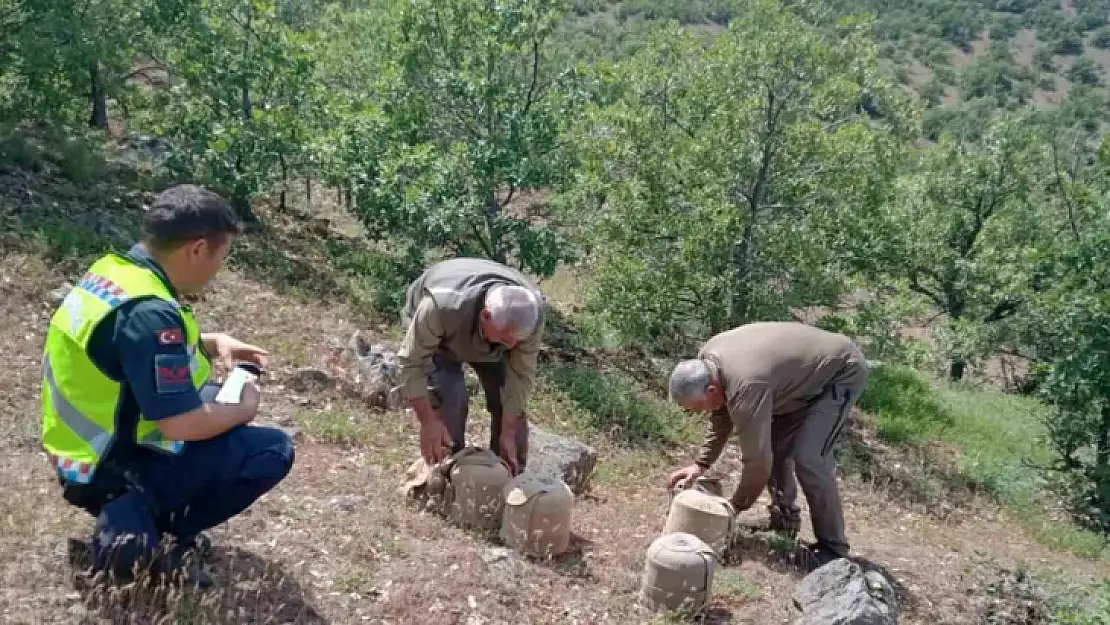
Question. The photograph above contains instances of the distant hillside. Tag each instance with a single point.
(965, 57)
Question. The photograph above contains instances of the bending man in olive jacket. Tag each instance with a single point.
(470, 310)
(786, 389)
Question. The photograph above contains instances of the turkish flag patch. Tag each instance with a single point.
(171, 336)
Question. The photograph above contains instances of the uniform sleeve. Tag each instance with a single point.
(151, 346)
(520, 375)
(751, 409)
(421, 341)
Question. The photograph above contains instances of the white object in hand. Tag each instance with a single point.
(232, 390)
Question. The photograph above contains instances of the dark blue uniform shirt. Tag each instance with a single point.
(131, 346)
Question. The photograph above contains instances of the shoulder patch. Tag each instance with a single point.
(171, 336)
(171, 374)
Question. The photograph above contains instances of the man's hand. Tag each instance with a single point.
(231, 350)
(685, 474)
(507, 446)
(251, 399)
(435, 440)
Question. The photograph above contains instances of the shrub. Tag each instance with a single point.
(905, 405)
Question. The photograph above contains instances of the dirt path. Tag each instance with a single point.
(335, 543)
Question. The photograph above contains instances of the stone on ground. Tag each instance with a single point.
(840, 593)
(309, 380)
(565, 458)
(378, 372)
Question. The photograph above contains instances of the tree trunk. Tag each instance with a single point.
(308, 192)
(957, 307)
(241, 197)
(99, 117)
(241, 202)
(1102, 449)
(248, 107)
(493, 210)
(956, 369)
(284, 181)
(740, 306)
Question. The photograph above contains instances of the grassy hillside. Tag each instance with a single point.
(935, 485)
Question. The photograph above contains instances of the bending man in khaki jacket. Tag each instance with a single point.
(469, 310)
(786, 390)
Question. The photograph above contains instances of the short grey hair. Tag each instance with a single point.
(514, 308)
(689, 380)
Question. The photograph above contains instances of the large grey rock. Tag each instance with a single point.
(309, 380)
(568, 459)
(840, 593)
(378, 372)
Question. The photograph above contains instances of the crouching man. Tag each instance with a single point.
(786, 389)
(480, 312)
(124, 423)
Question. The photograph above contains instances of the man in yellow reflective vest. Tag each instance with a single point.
(129, 421)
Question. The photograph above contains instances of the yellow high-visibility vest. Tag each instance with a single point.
(79, 402)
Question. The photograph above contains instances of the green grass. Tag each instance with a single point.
(1092, 609)
(336, 426)
(614, 404)
(905, 405)
(731, 583)
(1000, 439)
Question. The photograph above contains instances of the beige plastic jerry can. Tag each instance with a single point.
(537, 515)
(678, 573)
(473, 489)
(699, 508)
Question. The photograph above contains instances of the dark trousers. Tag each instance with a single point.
(451, 399)
(207, 484)
(803, 443)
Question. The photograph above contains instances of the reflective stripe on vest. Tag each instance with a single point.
(90, 432)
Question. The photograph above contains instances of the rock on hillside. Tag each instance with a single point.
(840, 593)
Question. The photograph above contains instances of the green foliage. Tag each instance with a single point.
(75, 57)
(685, 11)
(1043, 58)
(876, 324)
(1084, 71)
(966, 232)
(1095, 611)
(996, 78)
(614, 404)
(1068, 43)
(998, 435)
(17, 151)
(904, 404)
(242, 105)
(999, 438)
(717, 170)
(1101, 39)
(453, 146)
(1072, 337)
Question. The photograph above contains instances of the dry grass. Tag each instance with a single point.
(335, 543)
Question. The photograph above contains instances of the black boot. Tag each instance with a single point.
(184, 564)
(200, 544)
(818, 555)
(780, 520)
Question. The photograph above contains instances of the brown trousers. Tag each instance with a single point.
(803, 442)
(449, 396)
